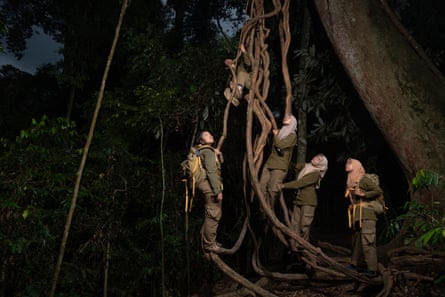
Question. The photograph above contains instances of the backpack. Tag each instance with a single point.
(192, 168)
(379, 203)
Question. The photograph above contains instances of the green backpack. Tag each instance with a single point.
(379, 203)
(192, 167)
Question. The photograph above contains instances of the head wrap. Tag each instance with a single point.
(320, 165)
(355, 174)
(288, 129)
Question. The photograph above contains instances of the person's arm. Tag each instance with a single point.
(368, 189)
(372, 190)
(288, 141)
(209, 163)
(307, 180)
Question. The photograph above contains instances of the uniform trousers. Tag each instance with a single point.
(212, 215)
(364, 244)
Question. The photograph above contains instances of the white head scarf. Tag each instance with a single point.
(288, 129)
(320, 165)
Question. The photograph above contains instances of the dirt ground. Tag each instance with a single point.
(227, 288)
(279, 260)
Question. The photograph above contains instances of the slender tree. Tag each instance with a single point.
(85, 152)
(161, 211)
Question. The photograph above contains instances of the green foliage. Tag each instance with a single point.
(325, 100)
(425, 179)
(120, 192)
(427, 221)
(118, 203)
(36, 174)
(178, 88)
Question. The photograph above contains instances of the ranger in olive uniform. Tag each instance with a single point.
(362, 191)
(242, 79)
(275, 169)
(308, 180)
(211, 187)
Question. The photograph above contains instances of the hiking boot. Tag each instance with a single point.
(352, 267)
(370, 273)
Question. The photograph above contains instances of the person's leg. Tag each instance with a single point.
(212, 211)
(356, 246)
(295, 223)
(369, 244)
(306, 220)
(276, 177)
(264, 183)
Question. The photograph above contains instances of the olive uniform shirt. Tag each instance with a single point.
(212, 168)
(372, 191)
(306, 194)
(286, 146)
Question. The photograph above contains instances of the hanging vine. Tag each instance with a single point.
(253, 38)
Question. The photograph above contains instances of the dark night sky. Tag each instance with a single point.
(41, 49)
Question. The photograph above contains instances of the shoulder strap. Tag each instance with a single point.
(204, 146)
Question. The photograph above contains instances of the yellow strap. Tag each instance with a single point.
(193, 186)
(186, 195)
(194, 169)
(348, 192)
(191, 203)
(353, 208)
(361, 204)
(350, 216)
(196, 165)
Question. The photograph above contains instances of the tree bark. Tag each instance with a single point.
(403, 95)
(302, 115)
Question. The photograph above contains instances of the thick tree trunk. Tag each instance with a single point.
(404, 96)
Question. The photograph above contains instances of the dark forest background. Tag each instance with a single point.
(167, 76)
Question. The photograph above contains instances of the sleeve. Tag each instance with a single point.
(288, 141)
(209, 163)
(307, 180)
(371, 189)
(299, 167)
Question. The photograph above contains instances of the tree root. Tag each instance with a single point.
(245, 292)
(238, 278)
(335, 248)
(238, 242)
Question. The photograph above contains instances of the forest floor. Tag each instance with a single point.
(281, 261)
(227, 288)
